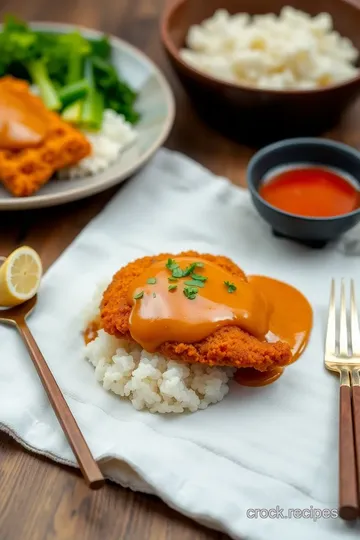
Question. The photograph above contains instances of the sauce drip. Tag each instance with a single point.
(290, 321)
(266, 308)
(161, 315)
(23, 117)
(91, 331)
(312, 192)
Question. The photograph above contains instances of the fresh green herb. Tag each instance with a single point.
(52, 61)
(189, 269)
(14, 24)
(73, 92)
(194, 283)
(177, 272)
(190, 292)
(75, 67)
(118, 95)
(171, 264)
(198, 277)
(172, 279)
(64, 55)
(40, 77)
(41, 57)
(172, 287)
(154, 295)
(139, 295)
(72, 113)
(151, 281)
(93, 104)
(230, 286)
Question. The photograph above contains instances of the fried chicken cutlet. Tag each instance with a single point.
(24, 170)
(227, 346)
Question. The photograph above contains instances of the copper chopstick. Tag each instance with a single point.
(86, 461)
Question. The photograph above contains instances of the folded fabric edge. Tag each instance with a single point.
(164, 159)
(112, 473)
(223, 513)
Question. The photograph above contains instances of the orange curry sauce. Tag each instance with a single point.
(23, 119)
(266, 308)
(290, 321)
(311, 192)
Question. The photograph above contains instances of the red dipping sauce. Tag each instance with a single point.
(311, 192)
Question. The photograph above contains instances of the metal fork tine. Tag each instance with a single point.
(330, 342)
(354, 322)
(343, 336)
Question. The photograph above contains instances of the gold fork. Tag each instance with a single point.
(342, 354)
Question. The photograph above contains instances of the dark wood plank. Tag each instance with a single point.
(65, 509)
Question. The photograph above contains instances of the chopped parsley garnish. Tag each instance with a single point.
(198, 277)
(139, 295)
(172, 264)
(154, 295)
(230, 286)
(194, 283)
(189, 269)
(151, 281)
(177, 272)
(190, 292)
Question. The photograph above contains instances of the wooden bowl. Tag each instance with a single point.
(258, 116)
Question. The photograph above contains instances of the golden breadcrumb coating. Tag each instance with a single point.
(24, 171)
(227, 346)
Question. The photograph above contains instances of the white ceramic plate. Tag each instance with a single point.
(156, 106)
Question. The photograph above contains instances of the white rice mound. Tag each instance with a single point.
(115, 135)
(151, 381)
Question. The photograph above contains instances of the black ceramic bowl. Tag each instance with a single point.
(314, 231)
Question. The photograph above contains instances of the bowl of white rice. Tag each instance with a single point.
(151, 382)
(119, 148)
(265, 70)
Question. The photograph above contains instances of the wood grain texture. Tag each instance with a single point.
(348, 492)
(40, 500)
(356, 425)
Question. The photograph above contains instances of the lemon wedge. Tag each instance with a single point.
(20, 276)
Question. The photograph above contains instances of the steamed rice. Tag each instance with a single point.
(115, 135)
(151, 381)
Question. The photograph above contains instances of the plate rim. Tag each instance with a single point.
(43, 201)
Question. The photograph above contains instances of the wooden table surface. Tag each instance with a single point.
(38, 499)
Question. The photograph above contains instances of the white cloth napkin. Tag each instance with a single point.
(260, 448)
